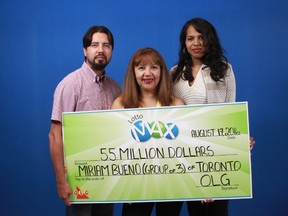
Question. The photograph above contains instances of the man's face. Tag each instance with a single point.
(99, 53)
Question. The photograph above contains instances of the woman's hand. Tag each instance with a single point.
(207, 201)
(252, 142)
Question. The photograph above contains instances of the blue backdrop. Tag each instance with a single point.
(41, 42)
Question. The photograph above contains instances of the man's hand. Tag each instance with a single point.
(64, 192)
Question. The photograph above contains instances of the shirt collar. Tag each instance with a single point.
(94, 77)
(100, 79)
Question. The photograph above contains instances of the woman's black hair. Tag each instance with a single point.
(214, 57)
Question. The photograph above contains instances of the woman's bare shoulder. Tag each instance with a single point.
(117, 104)
(177, 101)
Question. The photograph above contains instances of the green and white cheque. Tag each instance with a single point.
(158, 154)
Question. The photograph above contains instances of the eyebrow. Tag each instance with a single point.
(96, 42)
(188, 35)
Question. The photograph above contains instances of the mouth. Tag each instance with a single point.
(148, 81)
(101, 57)
(198, 50)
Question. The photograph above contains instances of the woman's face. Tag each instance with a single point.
(195, 43)
(148, 76)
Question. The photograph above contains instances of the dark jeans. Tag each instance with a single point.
(90, 210)
(137, 209)
(168, 208)
(216, 208)
(145, 209)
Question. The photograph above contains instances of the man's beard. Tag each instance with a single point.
(98, 66)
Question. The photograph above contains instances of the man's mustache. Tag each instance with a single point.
(101, 56)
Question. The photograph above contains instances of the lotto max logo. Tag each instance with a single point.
(142, 131)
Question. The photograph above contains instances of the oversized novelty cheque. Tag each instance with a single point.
(158, 154)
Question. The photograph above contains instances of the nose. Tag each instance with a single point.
(196, 41)
(100, 48)
(147, 72)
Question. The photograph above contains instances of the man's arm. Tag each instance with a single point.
(57, 156)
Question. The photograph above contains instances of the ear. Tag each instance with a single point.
(85, 51)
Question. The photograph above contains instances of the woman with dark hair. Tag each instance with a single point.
(201, 76)
(147, 83)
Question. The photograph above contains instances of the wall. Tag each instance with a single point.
(41, 42)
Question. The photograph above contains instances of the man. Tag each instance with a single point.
(87, 88)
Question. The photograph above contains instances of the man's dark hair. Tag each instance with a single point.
(87, 38)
